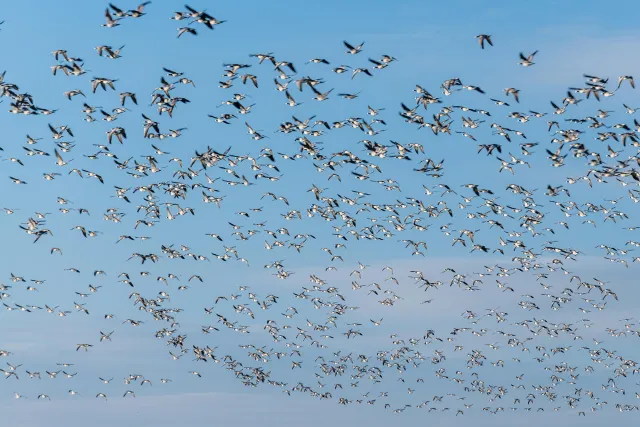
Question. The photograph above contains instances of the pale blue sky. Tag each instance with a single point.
(432, 41)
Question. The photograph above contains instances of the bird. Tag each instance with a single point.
(514, 92)
(138, 11)
(622, 79)
(188, 30)
(482, 38)
(110, 21)
(527, 61)
(353, 50)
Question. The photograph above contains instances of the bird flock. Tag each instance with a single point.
(320, 274)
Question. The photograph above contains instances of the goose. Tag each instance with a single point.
(102, 82)
(622, 79)
(186, 81)
(59, 160)
(263, 56)
(319, 95)
(251, 77)
(281, 87)
(514, 92)
(118, 132)
(138, 11)
(341, 69)
(60, 53)
(14, 160)
(112, 53)
(279, 64)
(100, 50)
(188, 30)
(361, 70)
(125, 95)
(291, 102)
(110, 21)
(318, 61)
(482, 38)
(353, 50)
(17, 181)
(349, 95)
(474, 88)
(528, 60)
(70, 94)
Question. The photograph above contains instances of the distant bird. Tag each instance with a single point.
(353, 50)
(110, 22)
(514, 92)
(528, 60)
(138, 11)
(482, 38)
(621, 79)
(189, 30)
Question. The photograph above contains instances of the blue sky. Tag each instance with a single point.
(432, 42)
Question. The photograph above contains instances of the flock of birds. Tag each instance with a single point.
(307, 337)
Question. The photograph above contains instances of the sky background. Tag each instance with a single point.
(432, 42)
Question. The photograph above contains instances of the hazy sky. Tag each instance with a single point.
(432, 41)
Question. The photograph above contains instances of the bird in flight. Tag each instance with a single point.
(482, 38)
